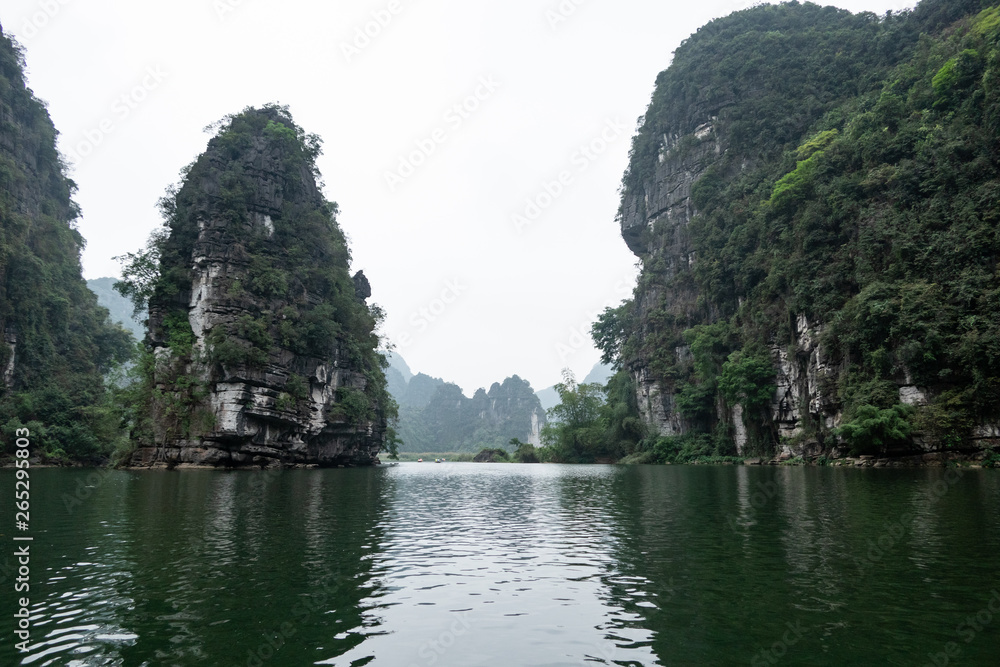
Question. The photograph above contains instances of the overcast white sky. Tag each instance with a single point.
(471, 296)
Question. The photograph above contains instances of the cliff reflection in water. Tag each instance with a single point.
(502, 564)
(826, 566)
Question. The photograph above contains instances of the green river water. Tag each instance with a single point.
(507, 565)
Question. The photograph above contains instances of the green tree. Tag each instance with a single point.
(524, 452)
(625, 428)
(576, 429)
(612, 333)
(747, 379)
(873, 430)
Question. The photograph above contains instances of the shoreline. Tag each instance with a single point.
(977, 461)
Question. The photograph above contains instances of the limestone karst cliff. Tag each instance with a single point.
(819, 255)
(263, 349)
(57, 344)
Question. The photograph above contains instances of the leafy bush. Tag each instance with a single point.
(992, 459)
(523, 452)
(354, 404)
(297, 387)
(491, 455)
(873, 430)
(747, 379)
(692, 448)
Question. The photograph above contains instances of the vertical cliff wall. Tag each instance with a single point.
(782, 190)
(57, 342)
(263, 346)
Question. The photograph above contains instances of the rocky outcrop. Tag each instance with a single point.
(804, 375)
(263, 345)
(726, 133)
(511, 406)
(655, 219)
(491, 456)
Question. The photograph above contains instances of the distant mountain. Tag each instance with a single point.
(119, 307)
(599, 374)
(397, 362)
(548, 397)
(436, 416)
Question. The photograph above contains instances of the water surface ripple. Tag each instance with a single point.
(509, 565)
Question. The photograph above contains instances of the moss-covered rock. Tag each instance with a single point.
(263, 345)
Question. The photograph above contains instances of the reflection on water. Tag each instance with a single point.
(465, 564)
(502, 565)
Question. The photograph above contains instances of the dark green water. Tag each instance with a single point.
(507, 565)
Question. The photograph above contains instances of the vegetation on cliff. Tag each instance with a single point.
(856, 186)
(58, 343)
(249, 210)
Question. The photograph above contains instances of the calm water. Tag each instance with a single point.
(507, 565)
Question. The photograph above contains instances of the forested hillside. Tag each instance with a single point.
(58, 343)
(814, 198)
(436, 416)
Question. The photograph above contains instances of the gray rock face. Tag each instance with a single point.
(654, 222)
(362, 288)
(10, 339)
(666, 199)
(285, 407)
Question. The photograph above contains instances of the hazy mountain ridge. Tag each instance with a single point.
(436, 416)
(118, 306)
